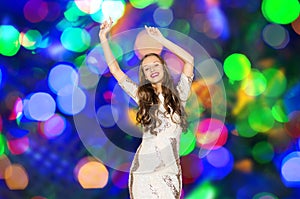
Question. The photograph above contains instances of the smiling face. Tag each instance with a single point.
(153, 69)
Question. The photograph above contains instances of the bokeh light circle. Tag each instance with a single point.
(278, 40)
(263, 152)
(16, 177)
(280, 11)
(163, 17)
(211, 134)
(35, 10)
(290, 164)
(41, 106)
(93, 175)
(221, 161)
(52, 127)
(9, 40)
(18, 146)
(182, 25)
(71, 100)
(254, 84)
(237, 66)
(219, 158)
(62, 75)
(261, 119)
(244, 129)
(75, 39)
(31, 39)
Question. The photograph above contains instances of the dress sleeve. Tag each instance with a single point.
(129, 87)
(184, 87)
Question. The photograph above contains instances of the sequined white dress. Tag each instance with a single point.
(155, 171)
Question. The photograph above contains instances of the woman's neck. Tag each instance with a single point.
(157, 88)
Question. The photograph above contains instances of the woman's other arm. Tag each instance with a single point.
(113, 65)
(186, 57)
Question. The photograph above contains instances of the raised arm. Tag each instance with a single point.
(186, 57)
(113, 65)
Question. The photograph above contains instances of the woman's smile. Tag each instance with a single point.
(155, 74)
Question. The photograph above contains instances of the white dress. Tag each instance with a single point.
(155, 171)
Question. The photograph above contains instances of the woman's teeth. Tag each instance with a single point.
(154, 75)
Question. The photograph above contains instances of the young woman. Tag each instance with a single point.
(155, 171)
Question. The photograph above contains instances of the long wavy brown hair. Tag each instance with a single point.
(149, 101)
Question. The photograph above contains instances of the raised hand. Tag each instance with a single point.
(105, 28)
(154, 33)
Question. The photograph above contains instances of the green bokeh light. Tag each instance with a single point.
(278, 40)
(75, 39)
(263, 152)
(237, 66)
(243, 128)
(32, 39)
(205, 191)
(280, 11)
(73, 13)
(181, 25)
(255, 83)
(261, 119)
(276, 82)
(2, 144)
(9, 40)
(165, 3)
(279, 112)
(187, 141)
(140, 4)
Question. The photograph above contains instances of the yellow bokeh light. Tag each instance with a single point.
(4, 163)
(16, 177)
(132, 115)
(93, 175)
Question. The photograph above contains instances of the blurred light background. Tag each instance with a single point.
(50, 59)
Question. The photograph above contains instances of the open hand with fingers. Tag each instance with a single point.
(154, 33)
(105, 28)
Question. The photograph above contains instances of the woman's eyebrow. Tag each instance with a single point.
(152, 63)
